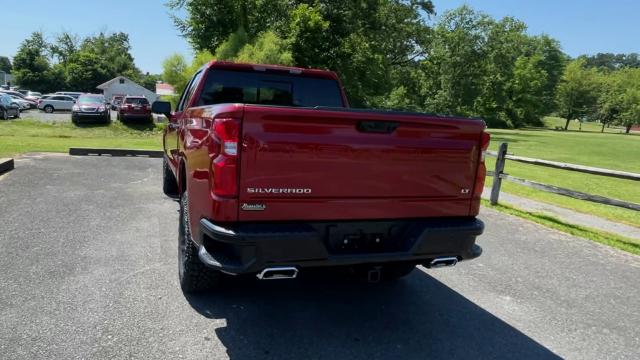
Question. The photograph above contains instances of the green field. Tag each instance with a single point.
(20, 136)
(611, 150)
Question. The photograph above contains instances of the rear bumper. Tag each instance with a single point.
(250, 247)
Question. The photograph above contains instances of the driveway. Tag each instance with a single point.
(88, 269)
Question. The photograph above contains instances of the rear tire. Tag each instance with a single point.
(4, 115)
(169, 182)
(194, 276)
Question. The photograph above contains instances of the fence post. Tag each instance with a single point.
(497, 181)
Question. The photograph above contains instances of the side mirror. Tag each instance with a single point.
(161, 107)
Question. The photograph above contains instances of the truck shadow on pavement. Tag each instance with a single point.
(327, 318)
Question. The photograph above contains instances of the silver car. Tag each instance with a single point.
(51, 103)
(8, 107)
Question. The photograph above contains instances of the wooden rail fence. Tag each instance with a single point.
(502, 156)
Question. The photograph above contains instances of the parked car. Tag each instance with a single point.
(8, 107)
(32, 103)
(54, 102)
(90, 106)
(24, 104)
(276, 175)
(134, 107)
(116, 100)
(73, 94)
(33, 95)
(13, 92)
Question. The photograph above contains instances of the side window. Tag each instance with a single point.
(185, 93)
(188, 92)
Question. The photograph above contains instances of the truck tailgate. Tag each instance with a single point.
(321, 164)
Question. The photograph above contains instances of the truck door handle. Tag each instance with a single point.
(378, 127)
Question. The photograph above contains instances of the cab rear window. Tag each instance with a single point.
(228, 86)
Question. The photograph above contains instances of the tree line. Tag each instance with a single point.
(72, 63)
(394, 54)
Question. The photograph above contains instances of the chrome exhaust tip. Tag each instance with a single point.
(278, 273)
(443, 262)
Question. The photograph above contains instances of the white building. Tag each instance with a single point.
(6, 79)
(123, 86)
(165, 89)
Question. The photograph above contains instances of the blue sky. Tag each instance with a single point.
(582, 26)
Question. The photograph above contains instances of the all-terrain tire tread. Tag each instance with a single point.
(196, 276)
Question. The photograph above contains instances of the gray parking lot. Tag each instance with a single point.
(88, 269)
(38, 115)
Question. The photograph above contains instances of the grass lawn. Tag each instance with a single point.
(552, 122)
(609, 150)
(20, 136)
(614, 240)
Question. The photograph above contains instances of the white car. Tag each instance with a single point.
(34, 95)
(54, 102)
(73, 94)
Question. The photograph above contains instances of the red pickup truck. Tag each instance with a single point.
(276, 174)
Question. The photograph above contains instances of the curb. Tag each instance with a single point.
(6, 165)
(116, 152)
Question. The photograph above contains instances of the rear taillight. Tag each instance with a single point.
(481, 173)
(224, 167)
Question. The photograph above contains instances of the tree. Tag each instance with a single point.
(85, 71)
(576, 95)
(210, 22)
(173, 72)
(628, 89)
(268, 48)
(5, 64)
(526, 92)
(477, 66)
(609, 103)
(365, 42)
(149, 81)
(453, 70)
(96, 60)
(65, 46)
(552, 61)
(611, 61)
(113, 52)
(630, 114)
(31, 67)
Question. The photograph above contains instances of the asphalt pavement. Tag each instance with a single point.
(88, 269)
